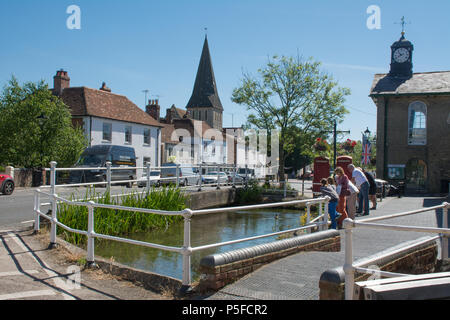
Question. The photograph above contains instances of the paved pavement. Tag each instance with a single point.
(29, 271)
(297, 277)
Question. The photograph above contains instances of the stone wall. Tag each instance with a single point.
(221, 269)
(418, 260)
(210, 199)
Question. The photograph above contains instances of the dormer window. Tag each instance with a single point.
(417, 123)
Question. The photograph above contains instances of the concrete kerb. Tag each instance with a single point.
(334, 279)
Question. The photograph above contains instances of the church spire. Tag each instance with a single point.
(205, 94)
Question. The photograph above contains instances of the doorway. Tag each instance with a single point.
(416, 176)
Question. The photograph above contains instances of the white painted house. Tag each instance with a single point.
(109, 118)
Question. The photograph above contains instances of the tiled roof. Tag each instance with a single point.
(419, 83)
(98, 103)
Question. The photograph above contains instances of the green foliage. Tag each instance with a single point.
(294, 97)
(31, 142)
(250, 195)
(118, 222)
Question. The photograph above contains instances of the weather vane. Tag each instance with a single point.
(403, 23)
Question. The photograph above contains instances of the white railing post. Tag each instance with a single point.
(308, 216)
(218, 178)
(54, 205)
(178, 175)
(148, 176)
(53, 176)
(201, 178)
(325, 215)
(108, 177)
(348, 266)
(246, 175)
(37, 208)
(187, 253)
(444, 237)
(91, 240)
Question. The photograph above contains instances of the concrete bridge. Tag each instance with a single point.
(297, 277)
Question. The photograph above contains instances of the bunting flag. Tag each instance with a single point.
(366, 151)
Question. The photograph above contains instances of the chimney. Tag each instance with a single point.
(105, 88)
(61, 81)
(153, 109)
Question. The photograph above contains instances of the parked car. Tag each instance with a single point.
(97, 156)
(246, 172)
(187, 175)
(155, 177)
(213, 177)
(238, 179)
(7, 184)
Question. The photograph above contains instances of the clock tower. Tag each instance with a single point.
(401, 58)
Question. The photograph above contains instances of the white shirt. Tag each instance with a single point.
(352, 188)
(359, 176)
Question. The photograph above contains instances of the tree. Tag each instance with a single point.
(36, 127)
(295, 98)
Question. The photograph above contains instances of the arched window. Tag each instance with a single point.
(417, 123)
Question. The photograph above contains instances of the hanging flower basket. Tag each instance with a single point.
(321, 145)
(348, 145)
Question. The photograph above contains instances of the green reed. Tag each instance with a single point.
(116, 222)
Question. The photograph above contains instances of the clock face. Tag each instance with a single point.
(401, 55)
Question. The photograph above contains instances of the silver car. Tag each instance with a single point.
(155, 177)
(213, 177)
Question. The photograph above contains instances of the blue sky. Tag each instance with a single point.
(156, 45)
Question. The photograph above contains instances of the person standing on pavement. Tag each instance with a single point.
(329, 191)
(343, 191)
(372, 189)
(361, 182)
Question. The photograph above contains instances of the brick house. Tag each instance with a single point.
(413, 124)
(109, 118)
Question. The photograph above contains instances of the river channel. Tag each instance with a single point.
(205, 229)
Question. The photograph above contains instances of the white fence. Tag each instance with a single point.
(321, 222)
(350, 268)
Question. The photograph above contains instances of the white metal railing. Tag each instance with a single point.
(177, 179)
(321, 222)
(350, 268)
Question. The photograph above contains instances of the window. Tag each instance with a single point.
(417, 123)
(107, 131)
(147, 136)
(128, 134)
(147, 160)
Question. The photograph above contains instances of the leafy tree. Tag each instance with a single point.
(36, 127)
(295, 98)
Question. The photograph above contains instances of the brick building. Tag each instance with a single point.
(413, 124)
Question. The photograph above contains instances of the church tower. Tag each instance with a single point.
(205, 103)
(401, 58)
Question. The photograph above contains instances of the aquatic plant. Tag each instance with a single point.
(119, 222)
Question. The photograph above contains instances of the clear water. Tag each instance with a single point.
(206, 229)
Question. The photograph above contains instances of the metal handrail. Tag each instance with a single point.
(186, 250)
(350, 268)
